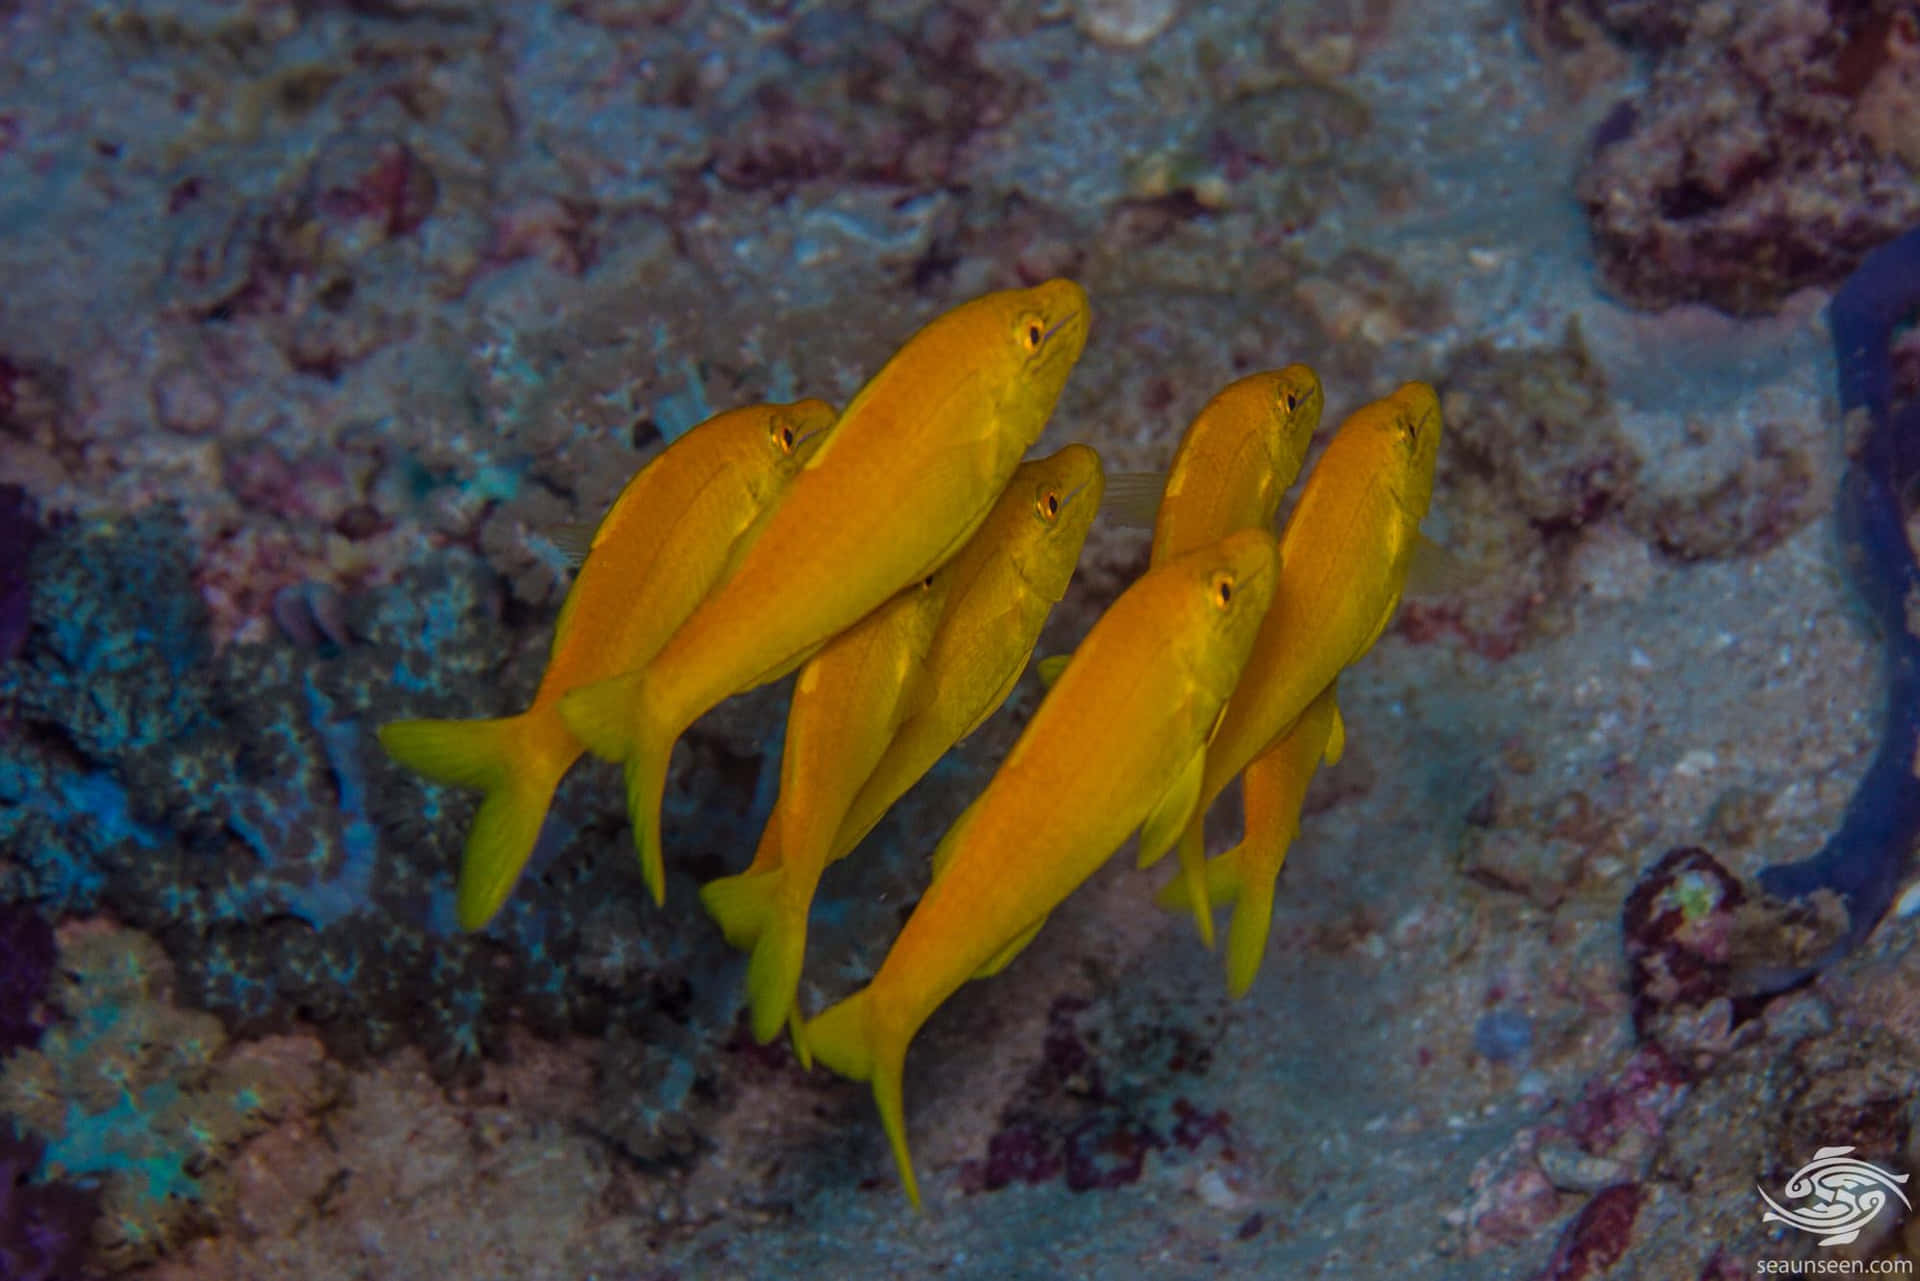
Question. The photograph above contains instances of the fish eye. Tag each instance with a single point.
(1289, 402)
(786, 438)
(1223, 590)
(1049, 504)
(1032, 334)
(926, 582)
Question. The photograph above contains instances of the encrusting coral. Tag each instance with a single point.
(138, 1096)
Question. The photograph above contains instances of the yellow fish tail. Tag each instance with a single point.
(1223, 884)
(646, 784)
(765, 913)
(459, 753)
(517, 761)
(1194, 891)
(1234, 879)
(796, 1029)
(1193, 871)
(1247, 934)
(841, 1036)
(889, 1098)
(773, 975)
(606, 714)
(617, 720)
(741, 905)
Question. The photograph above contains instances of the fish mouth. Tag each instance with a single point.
(1071, 330)
(1074, 493)
(1261, 573)
(1061, 323)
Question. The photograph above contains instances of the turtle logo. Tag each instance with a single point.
(1849, 1195)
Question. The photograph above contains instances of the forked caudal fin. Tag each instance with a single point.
(758, 914)
(773, 975)
(1232, 882)
(1223, 884)
(1247, 934)
(517, 761)
(843, 1038)
(646, 783)
(741, 905)
(606, 714)
(615, 719)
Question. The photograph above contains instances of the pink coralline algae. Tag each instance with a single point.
(1639, 1098)
(1070, 1121)
(1598, 1236)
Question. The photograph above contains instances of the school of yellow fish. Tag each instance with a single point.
(903, 558)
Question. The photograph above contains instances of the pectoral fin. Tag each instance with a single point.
(1004, 957)
(574, 539)
(1050, 668)
(1169, 815)
(1132, 498)
(1435, 570)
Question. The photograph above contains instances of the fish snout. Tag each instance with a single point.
(1065, 314)
(1082, 476)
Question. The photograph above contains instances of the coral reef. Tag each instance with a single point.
(234, 805)
(377, 294)
(1769, 153)
(1539, 464)
(1535, 455)
(135, 1094)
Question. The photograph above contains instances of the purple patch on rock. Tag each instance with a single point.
(1108, 1151)
(1020, 1153)
(19, 531)
(44, 1227)
(27, 955)
(1192, 1127)
(1598, 1235)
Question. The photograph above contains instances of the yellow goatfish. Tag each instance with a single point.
(1345, 554)
(1274, 787)
(846, 705)
(665, 542)
(1240, 453)
(1006, 580)
(996, 592)
(915, 463)
(1110, 748)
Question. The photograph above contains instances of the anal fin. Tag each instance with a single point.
(1004, 957)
